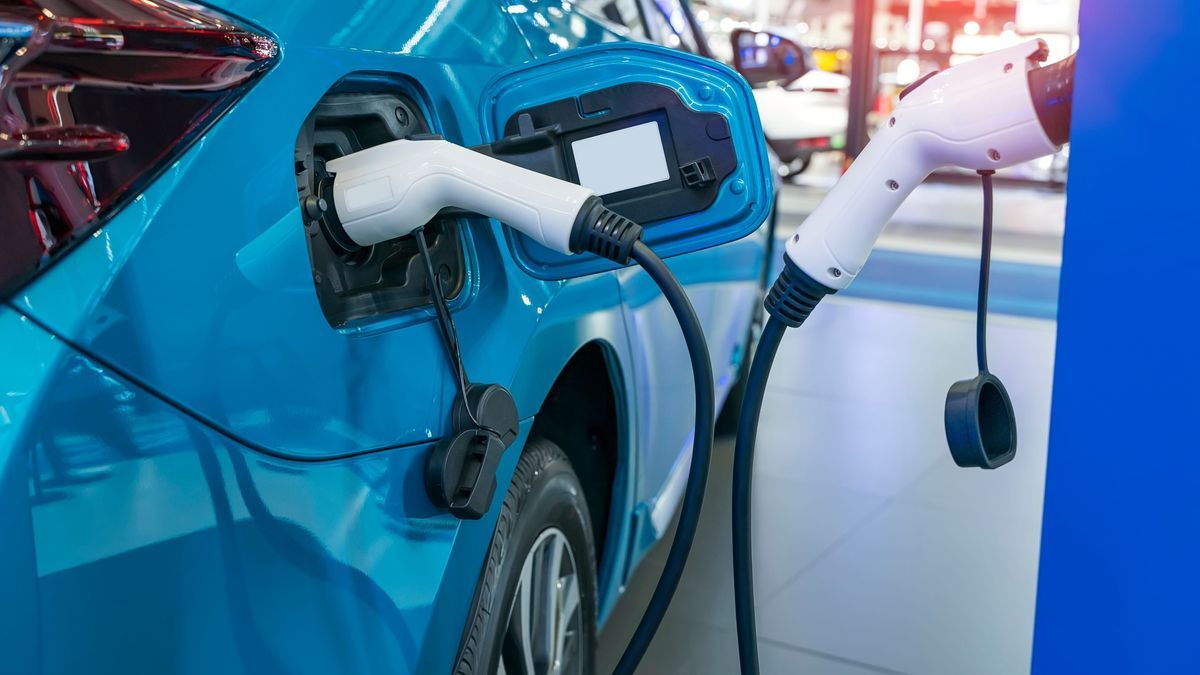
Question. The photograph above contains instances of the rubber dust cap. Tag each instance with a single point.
(460, 475)
(981, 427)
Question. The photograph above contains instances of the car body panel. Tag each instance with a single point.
(550, 28)
(120, 512)
(181, 315)
(27, 361)
(196, 466)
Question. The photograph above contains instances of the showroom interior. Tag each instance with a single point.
(871, 548)
(842, 337)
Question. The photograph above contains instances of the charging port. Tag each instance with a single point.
(355, 284)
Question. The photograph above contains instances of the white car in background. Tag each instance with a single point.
(804, 117)
(803, 109)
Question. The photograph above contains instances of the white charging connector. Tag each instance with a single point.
(986, 114)
(977, 115)
(389, 190)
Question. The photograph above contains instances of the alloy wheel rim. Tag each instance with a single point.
(544, 631)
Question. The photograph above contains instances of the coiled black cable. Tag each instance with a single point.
(693, 498)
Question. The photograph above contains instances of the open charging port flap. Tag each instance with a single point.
(638, 145)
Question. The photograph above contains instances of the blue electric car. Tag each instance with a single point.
(215, 422)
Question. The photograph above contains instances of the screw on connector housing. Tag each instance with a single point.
(315, 207)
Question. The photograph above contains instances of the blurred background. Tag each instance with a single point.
(874, 553)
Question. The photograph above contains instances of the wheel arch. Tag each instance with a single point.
(585, 413)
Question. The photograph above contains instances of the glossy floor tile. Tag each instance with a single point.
(874, 553)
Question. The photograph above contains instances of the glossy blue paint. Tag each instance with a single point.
(722, 284)
(199, 475)
(27, 361)
(550, 28)
(139, 540)
(1117, 584)
(182, 316)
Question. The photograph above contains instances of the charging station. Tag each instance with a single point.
(1116, 587)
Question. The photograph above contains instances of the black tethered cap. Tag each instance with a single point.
(981, 427)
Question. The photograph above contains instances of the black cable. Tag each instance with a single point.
(446, 324)
(743, 477)
(792, 297)
(985, 269)
(689, 516)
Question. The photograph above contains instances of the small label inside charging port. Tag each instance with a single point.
(620, 160)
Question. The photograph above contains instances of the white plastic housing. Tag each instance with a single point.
(389, 190)
(977, 115)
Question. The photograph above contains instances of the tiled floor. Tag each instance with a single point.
(873, 552)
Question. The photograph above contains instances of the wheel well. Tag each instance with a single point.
(580, 416)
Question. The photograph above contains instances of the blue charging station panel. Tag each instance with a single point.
(1119, 579)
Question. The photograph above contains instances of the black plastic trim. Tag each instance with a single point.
(691, 140)
(794, 294)
(601, 231)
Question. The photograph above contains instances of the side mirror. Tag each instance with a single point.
(762, 56)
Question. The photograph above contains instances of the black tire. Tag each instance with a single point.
(544, 499)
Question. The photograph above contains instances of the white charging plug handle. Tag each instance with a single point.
(389, 190)
(977, 115)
